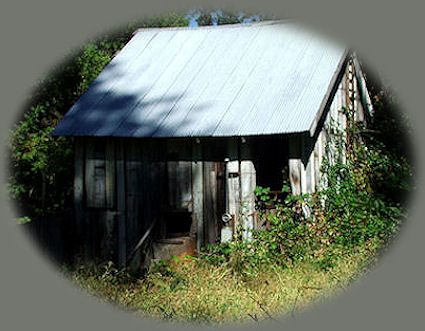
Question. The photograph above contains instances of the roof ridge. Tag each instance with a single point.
(217, 27)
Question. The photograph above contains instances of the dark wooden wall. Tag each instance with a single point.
(119, 186)
(123, 185)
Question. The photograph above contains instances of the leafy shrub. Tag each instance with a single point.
(355, 210)
(41, 167)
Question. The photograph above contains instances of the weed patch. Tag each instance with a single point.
(197, 291)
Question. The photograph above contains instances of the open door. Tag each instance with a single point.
(214, 199)
(177, 236)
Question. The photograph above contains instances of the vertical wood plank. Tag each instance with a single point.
(79, 185)
(184, 174)
(304, 164)
(308, 147)
(197, 193)
(210, 199)
(160, 230)
(121, 203)
(342, 125)
(95, 174)
(233, 190)
(89, 172)
(135, 189)
(303, 178)
(324, 154)
(149, 187)
(221, 196)
(173, 192)
(89, 235)
(110, 173)
(310, 174)
(213, 216)
(318, 160)
(248, 183)
(106, 228)
(295, 164)
(332, 124)
(295, 176)
(360, 115)
(232, 186)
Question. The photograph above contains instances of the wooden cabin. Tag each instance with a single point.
(180, 127)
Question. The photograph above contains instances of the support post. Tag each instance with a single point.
(296, 167)
(232, 180)
(197, 193)
(248, 183)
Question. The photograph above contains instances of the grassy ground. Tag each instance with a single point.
(195, 291)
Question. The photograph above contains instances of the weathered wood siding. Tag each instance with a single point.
(95, 203)
(296, 166)
(79, 188)
(136, 195)
(123, 186)
(210, 202)
(121, 201)
(233, 183)
(248, 184)
(197, 193)
(307, 152)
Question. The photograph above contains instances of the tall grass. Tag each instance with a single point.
(193, 290)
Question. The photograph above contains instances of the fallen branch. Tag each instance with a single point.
(264, 310)
(254, 317)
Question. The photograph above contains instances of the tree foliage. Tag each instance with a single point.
(41, 167)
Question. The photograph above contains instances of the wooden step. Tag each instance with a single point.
(170, 241)
(164, 249)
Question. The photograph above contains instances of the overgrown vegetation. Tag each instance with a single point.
(361, 207)
(198, 292)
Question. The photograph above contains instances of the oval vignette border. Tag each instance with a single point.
(32, 293)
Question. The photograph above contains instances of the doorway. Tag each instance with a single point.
(214, 199)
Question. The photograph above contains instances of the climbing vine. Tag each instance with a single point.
(351, 212)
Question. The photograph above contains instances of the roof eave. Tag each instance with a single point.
(330, 93)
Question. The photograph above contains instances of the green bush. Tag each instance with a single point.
(356, 210)
(41, 167)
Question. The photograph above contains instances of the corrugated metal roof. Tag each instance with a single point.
(233, 80)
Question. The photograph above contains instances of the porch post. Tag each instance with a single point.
(197, 193)
(248, 183)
